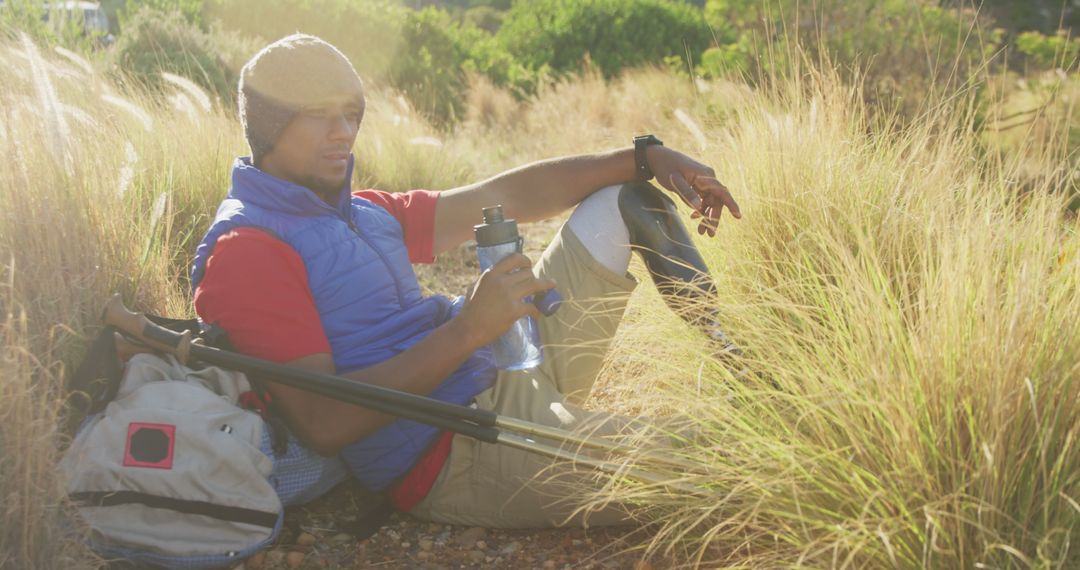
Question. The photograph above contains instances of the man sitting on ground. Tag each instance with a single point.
(299, 269)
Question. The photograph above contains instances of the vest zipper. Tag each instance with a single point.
(386, 262)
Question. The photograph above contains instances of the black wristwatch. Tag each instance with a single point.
(641, 166)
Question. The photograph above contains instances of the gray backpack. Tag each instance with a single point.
(170, 472)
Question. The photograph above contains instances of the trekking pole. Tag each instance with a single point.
(483, 425)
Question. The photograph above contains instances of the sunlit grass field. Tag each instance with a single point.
(907, 296)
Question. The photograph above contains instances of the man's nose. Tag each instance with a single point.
(342, 127)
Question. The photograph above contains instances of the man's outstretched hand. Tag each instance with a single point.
(695, 183)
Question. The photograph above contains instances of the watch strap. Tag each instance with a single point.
(641, 165)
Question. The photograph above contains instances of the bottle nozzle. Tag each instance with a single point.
(493, 214)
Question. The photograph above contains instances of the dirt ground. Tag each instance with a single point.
(323, 535)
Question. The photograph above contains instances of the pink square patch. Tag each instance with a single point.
(150, 445)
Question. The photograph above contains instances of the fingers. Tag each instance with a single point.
(511, 263)
(707, 196)
(529, 310)
(685, 191)
(714, 197)
(531, 287)
(512, 281)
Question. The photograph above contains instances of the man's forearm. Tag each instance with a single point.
(546, 188)
(529, 193)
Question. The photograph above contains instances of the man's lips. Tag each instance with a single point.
(336, 156)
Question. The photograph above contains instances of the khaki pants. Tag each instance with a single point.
(490, 485)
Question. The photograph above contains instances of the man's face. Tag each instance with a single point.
(313, 150)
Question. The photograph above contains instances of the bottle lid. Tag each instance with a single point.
(495, 229)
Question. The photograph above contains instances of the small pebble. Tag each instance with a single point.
(481, 545)
(406, 544)
(511, 548)
(294, 559)
(549, 564)
(341, 538)
(426, 544)
(476, 556)
(424, 555)
(469, 536)
(305, 539)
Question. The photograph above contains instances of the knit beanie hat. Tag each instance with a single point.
(284, 77)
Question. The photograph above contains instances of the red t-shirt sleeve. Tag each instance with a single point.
(255, 287)
(415, 211)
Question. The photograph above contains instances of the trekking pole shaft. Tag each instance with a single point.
(562, 435)
(370, 396)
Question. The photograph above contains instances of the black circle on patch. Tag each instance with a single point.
(149, 445)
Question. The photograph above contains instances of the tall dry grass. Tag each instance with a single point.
(910, 318)
(101, 190)
(911, 321)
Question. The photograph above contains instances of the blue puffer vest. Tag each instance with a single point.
(366, 293)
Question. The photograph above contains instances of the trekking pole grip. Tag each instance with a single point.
(138, 327)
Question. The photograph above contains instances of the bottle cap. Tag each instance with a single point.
(495, 229)
(548, 302)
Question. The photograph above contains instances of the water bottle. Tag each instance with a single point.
(519, 347)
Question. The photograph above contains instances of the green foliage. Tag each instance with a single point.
(430, 69)
(367, 31)
(154, 42)
(901, 49)
(611, 34)
(425, 53)
(728, 57)
(484, 17)
(191, 10)
(1045, 16)
(1048, 51)
(48, 25)
(436, 53)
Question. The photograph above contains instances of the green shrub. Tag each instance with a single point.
(484, 17)
(1021, 15)
(48, 25)
(191, 10)
(429, 67)
(612, 34)
(368, 32)
(1048, 51)
(154, 42)
(424, 53)
(901, 49)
